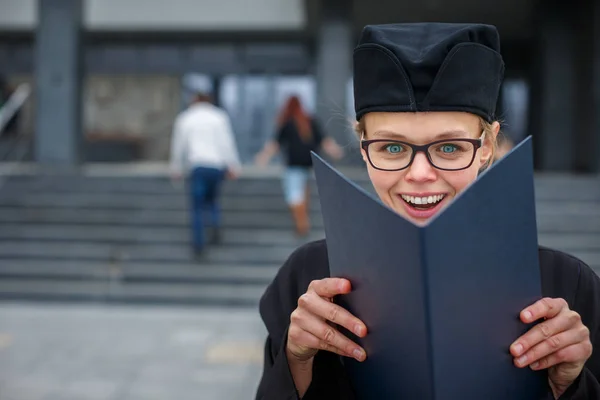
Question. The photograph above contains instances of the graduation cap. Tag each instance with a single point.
(428, 67)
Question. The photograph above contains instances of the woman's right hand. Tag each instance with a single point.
(312, 326)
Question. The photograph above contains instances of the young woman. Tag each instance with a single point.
(433, 85)
(297, 135)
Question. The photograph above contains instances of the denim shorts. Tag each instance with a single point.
(295, 180)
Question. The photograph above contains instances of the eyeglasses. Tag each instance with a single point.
(446, 155)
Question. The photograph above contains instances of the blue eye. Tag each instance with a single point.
(394, 148)
(448, 148)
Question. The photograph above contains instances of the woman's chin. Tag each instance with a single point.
(414, 220)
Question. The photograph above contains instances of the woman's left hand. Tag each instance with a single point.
(560, 343)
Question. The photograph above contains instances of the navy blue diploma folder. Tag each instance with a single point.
(441, 301)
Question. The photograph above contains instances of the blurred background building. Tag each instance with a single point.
(109, 76)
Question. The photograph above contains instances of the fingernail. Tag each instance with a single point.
(522, 360)
(527, 315)
(358, 354)
(535, 365)
(518, 349)
(358, 330)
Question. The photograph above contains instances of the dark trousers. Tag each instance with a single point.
(204, 186)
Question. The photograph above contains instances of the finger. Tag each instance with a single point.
(330, 287)
(552, 345)
(328, 334)
(545, 331)
(316, 343)
(303, 339)
(332, 312)
(577, 353)
(544, 308)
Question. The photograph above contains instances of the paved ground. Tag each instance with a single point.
(87, 352)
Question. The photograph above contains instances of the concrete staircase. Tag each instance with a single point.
(126, 238)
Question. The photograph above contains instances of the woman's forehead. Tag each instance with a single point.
(421, 123)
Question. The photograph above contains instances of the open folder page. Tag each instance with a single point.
(441, 301)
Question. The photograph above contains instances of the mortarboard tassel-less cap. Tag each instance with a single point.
(428, 67)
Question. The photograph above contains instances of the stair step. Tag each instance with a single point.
(111, 234)
(242, 187)
(37, 204)
(141, 253)
(136, 272)
(137, 201)
(145, 217)
(177, 254)
(547, 186)
(570, 241)
(130, 235)
(549, 221)
(177, 201)
(205, 294)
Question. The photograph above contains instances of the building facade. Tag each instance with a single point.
(110, 73)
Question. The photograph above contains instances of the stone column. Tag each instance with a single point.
(334, 69)
(58, 137)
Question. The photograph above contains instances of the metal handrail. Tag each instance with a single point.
(18, 144)
(14, 104)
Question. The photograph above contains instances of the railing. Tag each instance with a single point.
(15, 148)
(14, 104)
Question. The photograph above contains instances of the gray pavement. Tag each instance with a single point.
(104, 352)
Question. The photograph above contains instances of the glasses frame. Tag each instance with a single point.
(477, 144)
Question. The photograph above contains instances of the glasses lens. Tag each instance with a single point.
(455, 154)
(389, 155)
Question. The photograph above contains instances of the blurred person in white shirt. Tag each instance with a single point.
(203, 149)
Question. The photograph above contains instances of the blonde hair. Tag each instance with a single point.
(487, 127)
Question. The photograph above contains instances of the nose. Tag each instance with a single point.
(421, 170)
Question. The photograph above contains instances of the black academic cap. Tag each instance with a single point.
(428, 67)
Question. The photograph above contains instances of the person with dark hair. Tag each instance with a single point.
(203, 148)
(297, 135)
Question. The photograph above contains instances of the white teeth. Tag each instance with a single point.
(423, 200)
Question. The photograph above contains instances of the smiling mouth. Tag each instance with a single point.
(423, 203)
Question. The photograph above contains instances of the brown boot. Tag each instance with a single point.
(300, 215)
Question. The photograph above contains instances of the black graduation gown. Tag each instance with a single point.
(562, 276)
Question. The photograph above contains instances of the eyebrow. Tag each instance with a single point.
(455, 134)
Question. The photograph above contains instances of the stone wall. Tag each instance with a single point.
(138, 108)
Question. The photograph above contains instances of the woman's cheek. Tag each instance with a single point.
(382, 181)
(459, 180)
